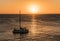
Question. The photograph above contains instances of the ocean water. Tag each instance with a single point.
(7, 25)
(41, 27)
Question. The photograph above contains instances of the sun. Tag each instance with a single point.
(33, 9)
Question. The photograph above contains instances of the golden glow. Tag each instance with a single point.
(33, 9)
(30, 6)
(33, 26)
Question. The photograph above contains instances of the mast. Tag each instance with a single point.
(20, 18)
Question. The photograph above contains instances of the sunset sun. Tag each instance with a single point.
(33, 9)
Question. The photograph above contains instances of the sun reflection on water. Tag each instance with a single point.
(33, 26)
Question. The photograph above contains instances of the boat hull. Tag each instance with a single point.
(21, 31)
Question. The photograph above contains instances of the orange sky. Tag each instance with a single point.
(45, 6)
(9, 6)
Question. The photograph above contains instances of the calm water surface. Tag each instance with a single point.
(41, 28)
(7, 25)
(41, 31)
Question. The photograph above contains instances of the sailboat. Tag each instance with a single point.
(21, 30)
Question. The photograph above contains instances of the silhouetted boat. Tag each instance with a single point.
(20, 31)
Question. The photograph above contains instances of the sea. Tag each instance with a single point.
(42, 27)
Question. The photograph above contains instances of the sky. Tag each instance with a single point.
(9, 6)
(44, 6)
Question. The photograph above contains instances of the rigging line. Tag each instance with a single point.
(19, 18)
